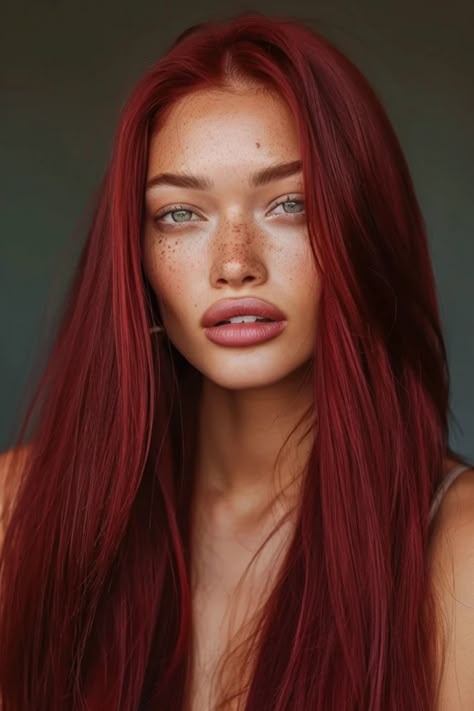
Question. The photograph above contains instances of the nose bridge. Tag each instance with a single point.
(237, 254)
(235, 239)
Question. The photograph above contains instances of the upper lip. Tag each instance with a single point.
(225, 309)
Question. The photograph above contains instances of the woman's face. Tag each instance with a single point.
(215, 234)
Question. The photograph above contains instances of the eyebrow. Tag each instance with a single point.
(197, 182)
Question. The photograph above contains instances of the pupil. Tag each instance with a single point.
(293, 204)
(178, 213)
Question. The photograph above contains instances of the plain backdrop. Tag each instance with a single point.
(67, 67)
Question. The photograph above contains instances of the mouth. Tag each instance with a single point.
(241, 311)
(244, 322)
(244, 319)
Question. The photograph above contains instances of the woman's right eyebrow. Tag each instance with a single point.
(197, 182)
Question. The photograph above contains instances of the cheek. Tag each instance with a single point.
(310, 281)
(295, 262)
(302, 277)
(169, 267)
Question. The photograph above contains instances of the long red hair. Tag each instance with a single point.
(95, 593)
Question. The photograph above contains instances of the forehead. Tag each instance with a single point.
(225, 124)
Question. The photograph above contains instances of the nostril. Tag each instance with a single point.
(245, 280)
(234, 273)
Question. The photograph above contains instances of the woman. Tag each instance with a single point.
(234, 487)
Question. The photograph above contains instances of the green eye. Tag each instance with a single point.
(178, 215)
(294, 205)
(290, 206)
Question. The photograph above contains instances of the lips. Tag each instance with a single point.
(226, 309)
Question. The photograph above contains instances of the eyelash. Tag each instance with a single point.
(178, 208)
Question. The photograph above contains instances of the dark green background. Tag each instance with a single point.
(66, 70)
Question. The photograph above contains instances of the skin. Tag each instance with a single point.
(451, 568)
(235, 242)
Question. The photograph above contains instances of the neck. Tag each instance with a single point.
(253, 444)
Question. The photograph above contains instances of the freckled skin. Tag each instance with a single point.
(234, 241)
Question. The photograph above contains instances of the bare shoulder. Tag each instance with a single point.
(13, 455)
(13, 458)
(451, 559)
(12, 465)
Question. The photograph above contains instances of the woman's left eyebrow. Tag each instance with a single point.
(197, 182)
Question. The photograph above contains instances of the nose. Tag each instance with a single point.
(236, 260)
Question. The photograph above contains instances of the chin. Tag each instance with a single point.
(252, 368)
(250, 376)
(242, 383)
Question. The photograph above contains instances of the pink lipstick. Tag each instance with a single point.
(242, 322)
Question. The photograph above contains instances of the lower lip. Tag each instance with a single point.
(244, 334)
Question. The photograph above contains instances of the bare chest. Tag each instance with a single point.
(212, 630)
(229, 592)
